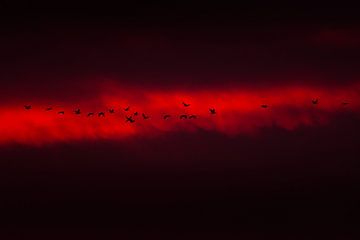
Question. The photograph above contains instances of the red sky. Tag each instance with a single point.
(238, 112)
(288, 170)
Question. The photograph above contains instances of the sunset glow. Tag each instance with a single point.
(238, 111)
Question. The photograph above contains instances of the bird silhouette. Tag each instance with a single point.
(264, 105)
(315, 101)
(101, 114)
(27, 107)
(90, 114)
(186, 104)
(192, 116)
(183, 116)
(145, 116)
(129, 119)
(127, 109)
(344, 103)
(212, 110)
(48, 109)
(136, 113)
(77, 111)
(166, 116)
(61, 112)
(111, 110)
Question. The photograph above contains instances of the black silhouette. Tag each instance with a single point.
(90, 114)
(315, 101)
(144, 116)
(129, 119)
(127, 109)
(166, 116)
(101, 114)
(111, 110)
(48, 109)
(192, 116)
(183, 116)
(61, 112)
(136, 113)
(186, 104)
(77, 111)
(27, 107)
(263, 105)
(344, 103)
(212, 110)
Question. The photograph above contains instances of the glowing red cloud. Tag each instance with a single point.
(238, 111)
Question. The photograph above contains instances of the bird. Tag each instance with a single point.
(111, 110)
(136, 113)
(183, 116)
(127, 109)
(101, 114)
(264, 105)
(166, 116)
(315, 101)
(186, 104)
(129, 119)
(212, 110)
(90, 114)
(77, 111)
(192, 116)
(48, 109)
(144, 116)
(344, 103)
(61, 112)
(27, 107)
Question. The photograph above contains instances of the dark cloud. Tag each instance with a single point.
(280, 183)
(165, 46)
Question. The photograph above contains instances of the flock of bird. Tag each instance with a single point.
(130, 118)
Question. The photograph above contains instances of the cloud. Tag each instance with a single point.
(238, 112)
(338, 38)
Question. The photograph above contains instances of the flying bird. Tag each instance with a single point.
(136, 113)
(61, 112)
(344, 103)
(129, 119)
(77, 111)
(192, 116)
(127, 109)
(166, 116)
(27, 107)
(48, 109)
(264, 105)
(111, 110)
(90, 114)
(144, 116)
(315, 101)
(101, 114)
(186, 104)
(212, 110)
(183, 116)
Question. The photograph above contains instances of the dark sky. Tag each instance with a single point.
(188, 43)
(288, 184)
